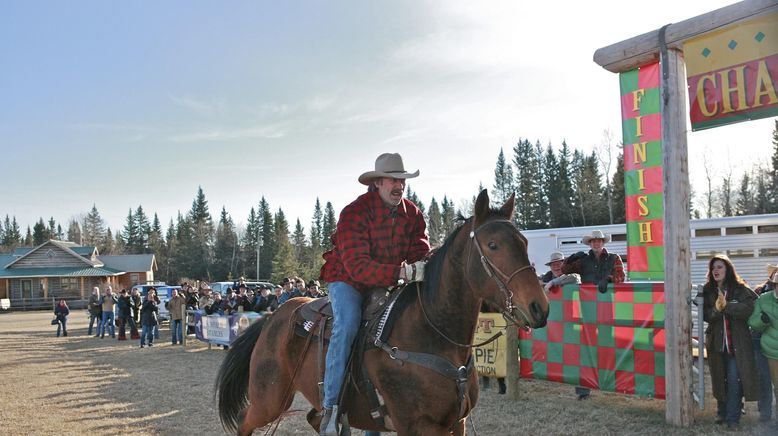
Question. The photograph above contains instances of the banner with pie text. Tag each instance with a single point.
(490, 359)
(643, 178)
(732, 73)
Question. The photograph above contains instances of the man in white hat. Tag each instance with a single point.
(765, 344)
(597, 266)
(380, 241)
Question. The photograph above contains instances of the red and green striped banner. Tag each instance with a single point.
(613, 341)
(643, 184)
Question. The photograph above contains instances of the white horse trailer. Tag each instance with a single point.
(751, 242)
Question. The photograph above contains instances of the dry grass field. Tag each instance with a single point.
(85, 385)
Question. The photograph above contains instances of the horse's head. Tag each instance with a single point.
(497, 264)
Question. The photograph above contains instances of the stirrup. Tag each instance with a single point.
(329, 422)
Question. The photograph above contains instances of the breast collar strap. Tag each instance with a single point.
(502, 279)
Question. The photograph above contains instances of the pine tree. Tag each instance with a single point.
(144, 230)
(11, 236)
(284, 264)
(434, 224)
(745, 198)
(130, 234)
(761, 200)
(410, 195)
(540, 214)
(556, 204)
(617, 192)
(249, 245)
(316, 240)
(40, 233)
(157, 243)
(28, 238)
(200, 247)
(448, 217)
(2, 234)
(268, 250)
(93, 230)
(328, 226)
(74, 231)
(167, 265)
(110, 245)
(225, 249)
(300, 249)
(52, 229)
(503, 180)
(566, 193)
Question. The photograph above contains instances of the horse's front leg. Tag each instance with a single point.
(460, 428)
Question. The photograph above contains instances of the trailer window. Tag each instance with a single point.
(740, 253)
(738, 230)
(768, 229)
(705, 254)
(619, 237)
(768, 252)
(707, 232)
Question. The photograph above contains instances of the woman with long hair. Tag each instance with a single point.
(728, 304)
(61, 311)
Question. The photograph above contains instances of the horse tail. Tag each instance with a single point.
(232, 381)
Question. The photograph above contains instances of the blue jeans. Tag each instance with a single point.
(92, 318)
(108, 318)
(147, 333)
(176, 331)
(347, 313)
(730, 409)
(765, 386)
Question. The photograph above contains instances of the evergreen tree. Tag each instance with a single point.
(157, 243)
(617, 192)
(130, 234)
(328, 226)
(185, 246)
(200, 247)
(167, 265)
(410, 195)
(2, 234)
(110, 245)
(225, 250)
(12, 236)
(301, 250)
(40, 233)
(762, 200)
(93, 230)
(250, 239)
(556, 204)
(316, 240)
(52, 228)
(726, 195)
(59, 232)
(541, 214)
(448, 216)
(434, 224)
(144, 230)
(74, 231)
(284, 264)
(268, 250)
(566, 193)
(28, 238)
(745, 198)
(503, 180)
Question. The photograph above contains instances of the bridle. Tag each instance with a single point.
(499, 277)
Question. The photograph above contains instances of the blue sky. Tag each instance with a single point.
(127, 103)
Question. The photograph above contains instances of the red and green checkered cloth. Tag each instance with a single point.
(613, 341)
(642, 130)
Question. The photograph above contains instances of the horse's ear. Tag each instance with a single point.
(507, 209)
(481, 209)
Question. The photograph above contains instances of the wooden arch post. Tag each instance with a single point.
(628, 55)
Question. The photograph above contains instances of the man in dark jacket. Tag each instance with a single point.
(124, 304)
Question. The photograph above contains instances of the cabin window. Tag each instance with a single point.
(739, 230)
(134, 277)
(768, 252)
(619, 237)
(69, 283)
(740, 253)
(707, 232)
(768, 229)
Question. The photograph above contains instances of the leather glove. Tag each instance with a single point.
(602, 287)
(548, 286)
(721, 302)
(765, 318)
(414, 272)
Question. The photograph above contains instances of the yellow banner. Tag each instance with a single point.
(739, 44)
(490, 359)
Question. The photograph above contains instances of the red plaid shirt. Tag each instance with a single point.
(372, 240)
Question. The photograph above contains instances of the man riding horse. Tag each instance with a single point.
(380, 240)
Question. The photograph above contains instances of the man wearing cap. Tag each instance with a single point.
(597, 266)
(380, 241)
(554, 276)
(764, 333)
(313, 290)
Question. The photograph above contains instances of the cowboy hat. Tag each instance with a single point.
(596, 234)
(387, 165)
(772, 273)
(555, 257)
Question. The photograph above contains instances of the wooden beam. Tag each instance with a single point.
(678, 359)
(644, 49)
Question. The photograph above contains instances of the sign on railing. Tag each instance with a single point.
(221, 329)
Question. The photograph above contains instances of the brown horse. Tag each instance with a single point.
(485, 259)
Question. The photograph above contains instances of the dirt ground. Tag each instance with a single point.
(86, 385)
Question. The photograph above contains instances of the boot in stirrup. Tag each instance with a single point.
(329, 422)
